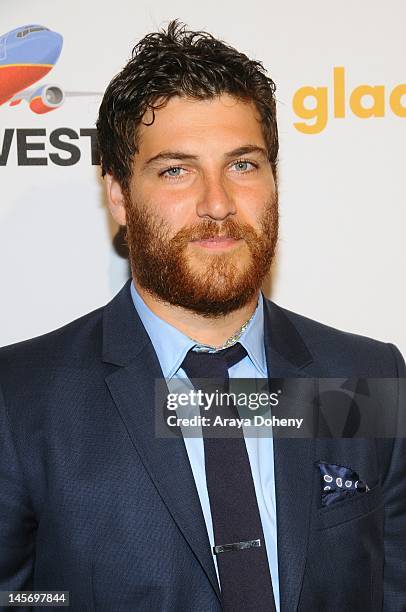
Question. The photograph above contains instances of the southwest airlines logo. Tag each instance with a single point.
(27, 54)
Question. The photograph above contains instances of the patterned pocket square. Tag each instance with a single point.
(338, 482)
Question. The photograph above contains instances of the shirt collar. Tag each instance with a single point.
(171, 345)
(252, 339)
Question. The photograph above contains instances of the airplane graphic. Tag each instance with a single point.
(27, 54)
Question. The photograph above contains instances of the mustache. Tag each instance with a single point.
(209, 229)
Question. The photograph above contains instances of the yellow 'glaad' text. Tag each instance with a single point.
(365, 101)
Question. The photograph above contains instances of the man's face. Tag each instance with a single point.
(201, 209)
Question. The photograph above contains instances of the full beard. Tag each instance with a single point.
(160, 264)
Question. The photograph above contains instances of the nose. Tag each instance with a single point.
(216, 201)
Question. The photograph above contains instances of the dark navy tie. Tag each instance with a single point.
(245, 579)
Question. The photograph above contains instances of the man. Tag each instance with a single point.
(92, 501)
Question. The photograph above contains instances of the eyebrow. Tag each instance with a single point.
(182, 156)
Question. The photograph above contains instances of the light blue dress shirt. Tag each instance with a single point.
(171, 346)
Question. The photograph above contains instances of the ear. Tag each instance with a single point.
(115, 199)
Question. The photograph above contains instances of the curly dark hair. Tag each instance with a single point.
(177, 62)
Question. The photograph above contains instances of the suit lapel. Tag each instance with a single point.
(132, 385)
(288, 357)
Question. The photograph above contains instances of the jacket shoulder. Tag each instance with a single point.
(71, 344)
(344, 353)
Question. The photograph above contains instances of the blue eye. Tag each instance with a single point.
(244, 165)
(173, 172)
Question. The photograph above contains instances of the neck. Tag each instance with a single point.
(213, 331)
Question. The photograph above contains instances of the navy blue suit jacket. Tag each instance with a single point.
(93, 503)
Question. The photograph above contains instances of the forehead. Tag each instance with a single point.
(224, 121)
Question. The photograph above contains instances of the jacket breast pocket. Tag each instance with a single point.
(361, 504)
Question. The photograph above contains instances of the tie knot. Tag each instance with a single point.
(213, 365)
(232, 354)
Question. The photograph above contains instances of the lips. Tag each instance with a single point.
(217, 241)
